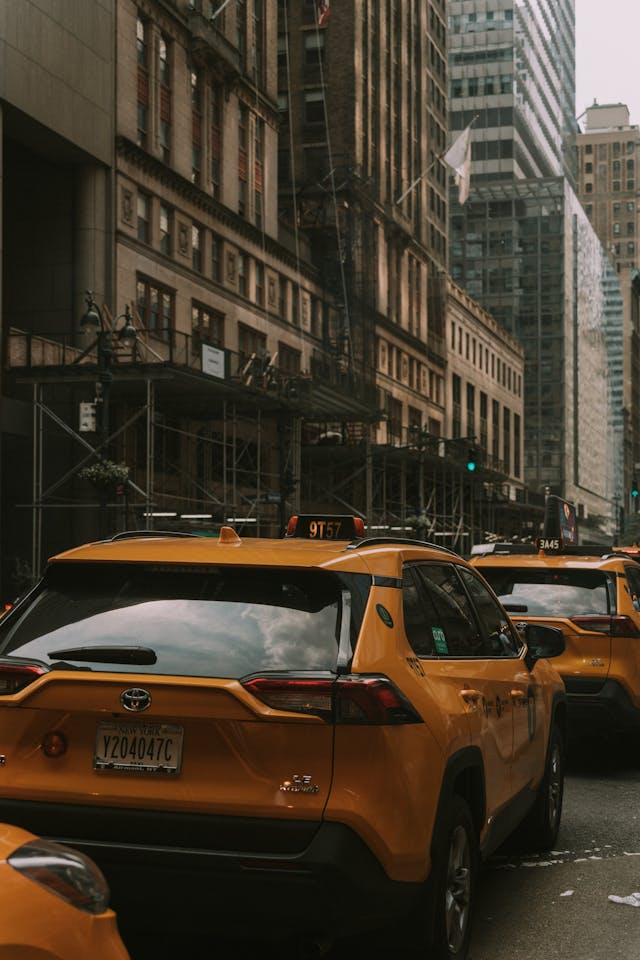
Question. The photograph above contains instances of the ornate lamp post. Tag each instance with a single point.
(106, 339)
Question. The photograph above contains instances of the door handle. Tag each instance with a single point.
(519, 696)
(471, 696)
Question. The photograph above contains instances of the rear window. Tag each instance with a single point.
(214, 622)
(552, 592)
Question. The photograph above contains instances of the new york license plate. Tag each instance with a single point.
(141, 747)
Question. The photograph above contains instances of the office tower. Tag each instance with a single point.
(609, 188)
(522, 244)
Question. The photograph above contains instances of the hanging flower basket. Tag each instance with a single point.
(105, 474)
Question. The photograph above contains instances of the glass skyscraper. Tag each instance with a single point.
(523, 246)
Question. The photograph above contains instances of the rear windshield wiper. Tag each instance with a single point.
(113, 654)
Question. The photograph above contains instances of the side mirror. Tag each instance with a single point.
(542, 642)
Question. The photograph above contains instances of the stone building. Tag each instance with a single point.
(224, 250)
(609, 188)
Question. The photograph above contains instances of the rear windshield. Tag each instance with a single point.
(552, 593)
(217, 622)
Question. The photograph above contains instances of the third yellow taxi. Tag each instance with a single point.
(304, 737)
(591, 593)
(54, 902)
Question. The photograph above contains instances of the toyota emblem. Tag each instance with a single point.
(135, 699)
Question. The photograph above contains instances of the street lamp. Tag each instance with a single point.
(106, 338)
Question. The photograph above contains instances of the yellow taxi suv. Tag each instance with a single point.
(592, 594)
(305, 738)
(54, 903)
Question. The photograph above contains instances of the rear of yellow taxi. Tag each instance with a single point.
(261, 756)
(600, 665)
(237, 784)
(53, 903)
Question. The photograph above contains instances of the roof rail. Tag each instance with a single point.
(136, 534)
(381, 541)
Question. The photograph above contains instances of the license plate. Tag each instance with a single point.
(139, 747)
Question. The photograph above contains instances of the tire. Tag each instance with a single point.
(457, 874)
(539, 830)
(439, 925)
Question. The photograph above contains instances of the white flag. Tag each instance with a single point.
(458, 157)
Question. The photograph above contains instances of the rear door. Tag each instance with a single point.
(525, 691)
(459, 664)
(148, 693)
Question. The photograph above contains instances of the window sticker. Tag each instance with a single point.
(440, 640)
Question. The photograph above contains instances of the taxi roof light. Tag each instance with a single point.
(311, 526)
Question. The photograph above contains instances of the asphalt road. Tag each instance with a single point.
(533, 908)
(558, 906)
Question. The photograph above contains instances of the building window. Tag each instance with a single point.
(165, 98)
(471, 410)
(196, 127)
(216, 259)
(313, 107)
(215, 139)
(166, 222)
(314, 48)
(258, 41)
(588, 187)
(243, 123)
(456, 392)
(196, 248)
(588, 168)
(259, 283)
(283, 298)
(288, 360)
(142, 52)
(257, 172)
(156, 306)
(144, 203)
(506, 417)
(631, 247)
(241, 28)
(251, 343)
(207, 326)
(242, 274)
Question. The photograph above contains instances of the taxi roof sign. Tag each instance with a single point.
(311, 526)
(560, 528)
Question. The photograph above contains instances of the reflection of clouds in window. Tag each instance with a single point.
(292, 635)
(202, 638)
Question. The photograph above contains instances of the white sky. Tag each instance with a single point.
(608, 54)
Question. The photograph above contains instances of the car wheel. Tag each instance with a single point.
(439, 925)
(456, 884)
(539, 831)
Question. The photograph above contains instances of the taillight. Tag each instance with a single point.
(357, 698)
(66, 873)
(296, 695)
(616, 626)
(14, 677)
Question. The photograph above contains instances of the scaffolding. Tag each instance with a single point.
(243, 448)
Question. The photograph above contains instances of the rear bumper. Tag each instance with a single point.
(608, 709)
(319, 879)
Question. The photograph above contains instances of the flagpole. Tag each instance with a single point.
(421, 177)
(433, 162)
